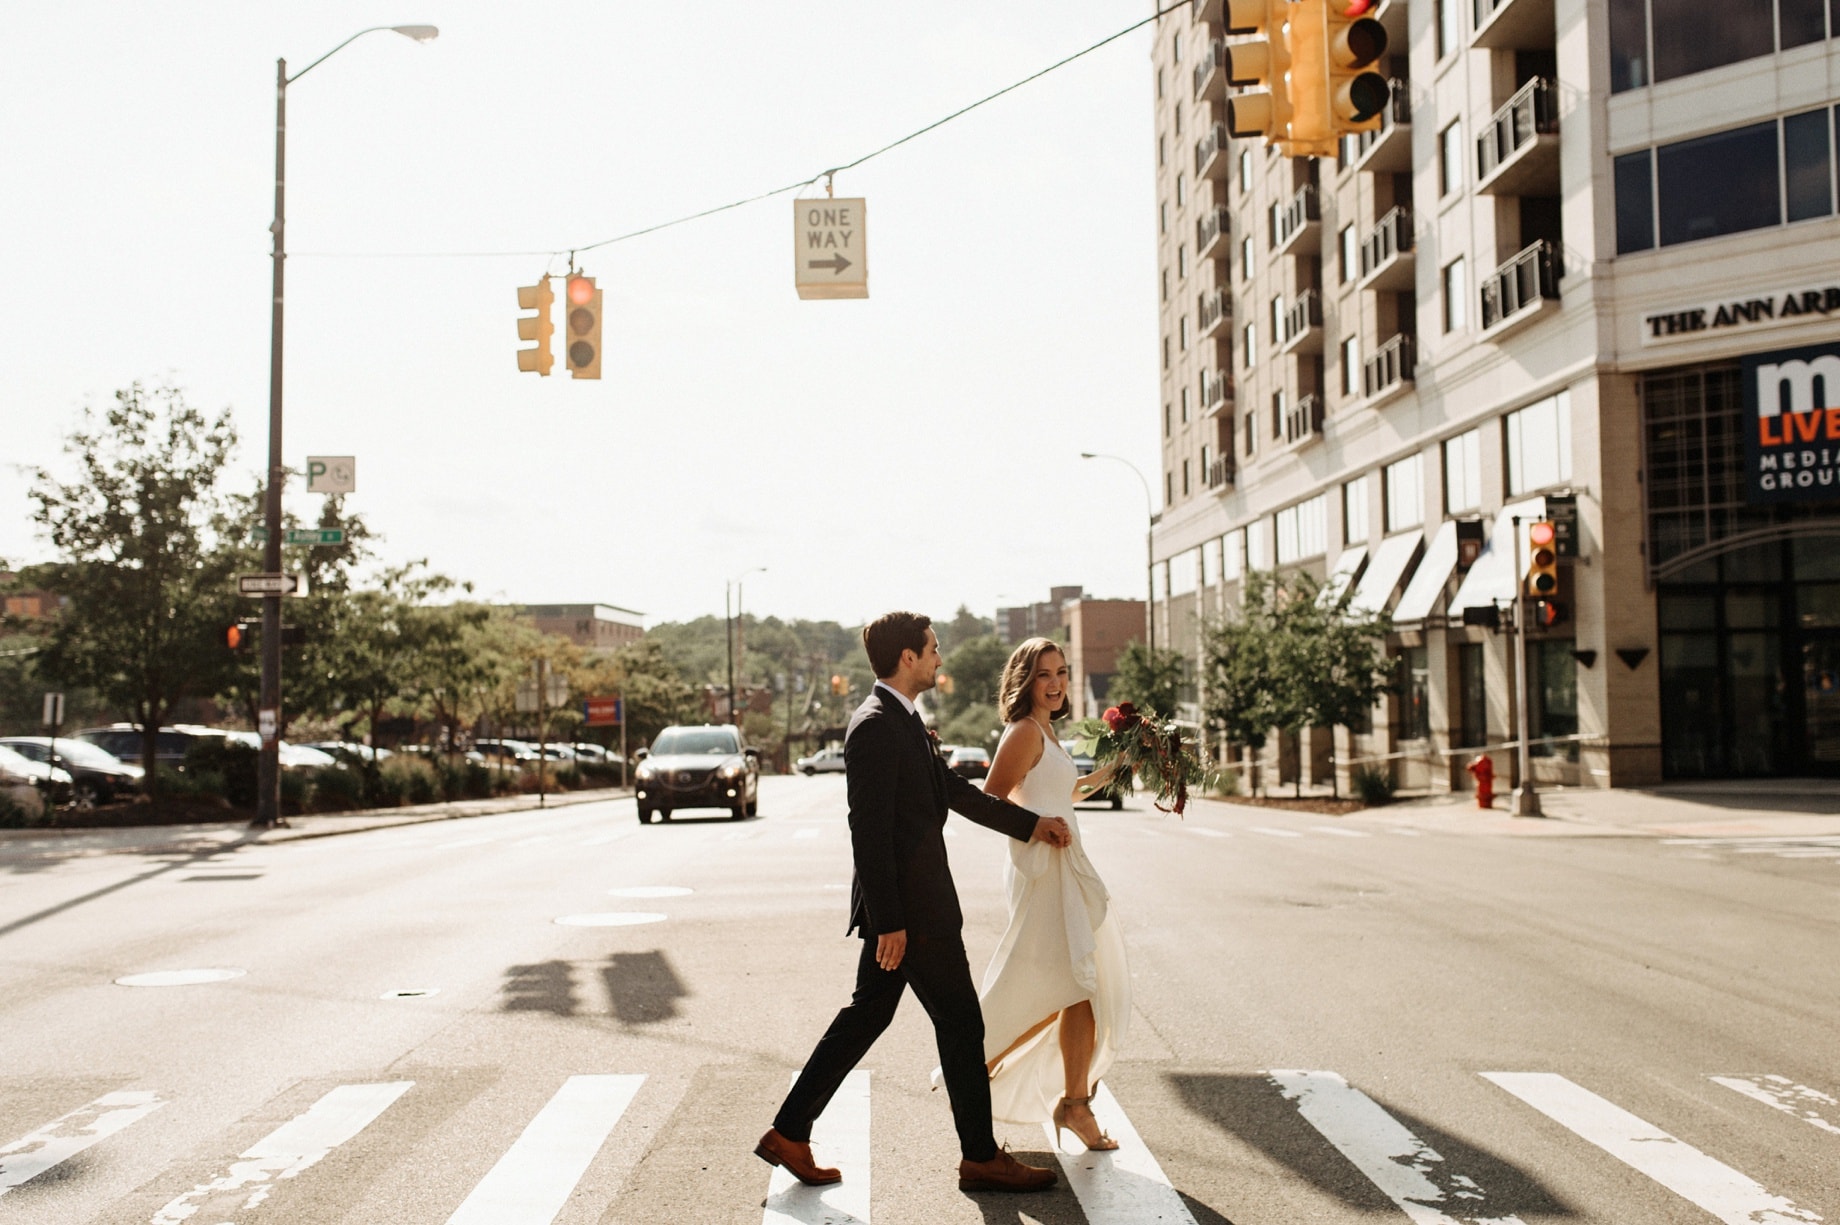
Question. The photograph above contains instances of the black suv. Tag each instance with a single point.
(698, 767)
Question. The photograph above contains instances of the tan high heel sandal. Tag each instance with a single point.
(1100, 1142)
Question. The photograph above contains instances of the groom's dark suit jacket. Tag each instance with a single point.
(899, 793)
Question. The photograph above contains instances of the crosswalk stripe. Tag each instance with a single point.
(1125, 1186)
(1781, 1093)
(454, 846)
(840, 1138)
(1274, 832)
(1407, 833)
(1338, 831)
(601, 840)
(1694, 1176)
(806, 833)
(1403, 1166)
(1209, 833)
(534, 1179)
(290, 1149)
(67, 1135)
(534, 840)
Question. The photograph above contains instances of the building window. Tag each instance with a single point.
(1463, 473)
(1807, 165)
(1175, 47)
(1354, 511)
(1181, 190)
(1159, 82)
(1252, 345)
(1552, 689)
(1185, 485)
(1185, 406)
(1635, 202)
(1539, 444)
(1351, 366)
(1182, 333)
(1165, 284)
(1456, 295)
(1258, 546)
(1181, 260)
(1404, 483)
(1165, 352)
(1162, 217)
(1450, 159)
(1351, 253)
(1251, 433)
(1169, 488)
(1277, 413)
(1273, 218)
(1691, 36)
(1232, 556)
(1166, 421)
(1277, 319)
(1178, 118)
(1302, 530)
(1207, 460)
(1245, 258)
(1414, 694)
(1162, 150)
(1245, 170)
(1449, 19)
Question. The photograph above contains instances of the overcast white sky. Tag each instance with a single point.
(916, 449)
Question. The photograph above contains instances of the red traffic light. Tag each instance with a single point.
(235, 636)
(581, 290)
(1540, 533)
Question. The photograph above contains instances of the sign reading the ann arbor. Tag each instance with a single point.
(1792, 424)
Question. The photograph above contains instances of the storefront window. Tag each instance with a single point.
(1553, 688)
(1472, 698)
(1539, 443)
(1414, 694)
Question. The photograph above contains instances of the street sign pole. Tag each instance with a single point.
(54, 718)
(1526, 799)
(622, 701)
(542, 719)
(268, 763)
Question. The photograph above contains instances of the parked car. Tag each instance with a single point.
(97, 775)
(124, 741)
(824, 761)
(351, 752)
(18, 770)
(1084, 763)
(969, 762)
(698, 767)
(434, 750)
(506, 752)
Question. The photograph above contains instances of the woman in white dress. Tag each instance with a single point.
(1057, 996)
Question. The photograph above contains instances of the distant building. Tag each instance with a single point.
(30, 605)
(1093, 632)
(598, 627)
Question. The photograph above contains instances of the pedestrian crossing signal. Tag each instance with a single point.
(236, 637)
(1546, 614)
(582, 337)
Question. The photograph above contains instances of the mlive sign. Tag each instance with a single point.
(1792, 424)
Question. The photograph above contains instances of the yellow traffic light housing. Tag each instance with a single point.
(1333, 43)
(582, 334)
(536, 327)
(1262, 64)
(1542, 560)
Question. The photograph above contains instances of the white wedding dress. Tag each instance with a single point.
(1062, 946)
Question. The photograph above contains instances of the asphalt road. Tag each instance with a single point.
(1362, 1019)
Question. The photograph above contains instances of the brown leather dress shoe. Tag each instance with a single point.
(1004, 1173)
(775, 1149)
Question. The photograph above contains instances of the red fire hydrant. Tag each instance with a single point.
(1483, 771)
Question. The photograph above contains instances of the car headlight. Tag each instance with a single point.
(644, 771)
(732, 770)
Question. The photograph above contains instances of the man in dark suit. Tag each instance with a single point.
(904, 904)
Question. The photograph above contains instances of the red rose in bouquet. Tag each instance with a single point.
(1147, 748)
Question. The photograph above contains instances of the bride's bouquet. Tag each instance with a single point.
(1144, 747)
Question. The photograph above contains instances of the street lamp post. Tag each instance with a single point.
(268, 721)
(729, 619)
(1149, 548)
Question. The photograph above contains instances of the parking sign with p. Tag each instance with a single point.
(332, 474)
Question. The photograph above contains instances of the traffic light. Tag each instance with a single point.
(536, 327)
(839, 685)
(236, 636)
(1264, 64)
(1333, 42)
(1542, 560)
(945, 683)
(582, 338)
(1544, 614)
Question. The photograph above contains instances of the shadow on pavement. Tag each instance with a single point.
(643, 987)
(541, 986)
(1253, 1109)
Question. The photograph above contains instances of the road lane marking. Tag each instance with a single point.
(535, 840)
(1695, 1177)
(534, 1179)
(1210, 833)
(69, 1134)
(840, 1138)
(1781, 1093)
(1274, 832)
(806, 833)
(1338, 831)
(480, 841)
(651, 891)
(602, 840)
(1125, 1186)
(612, 918)
(179, 978)
(1408, 1170)
(286, 1152)
(1407, 833)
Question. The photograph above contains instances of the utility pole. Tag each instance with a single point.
(1526, 799)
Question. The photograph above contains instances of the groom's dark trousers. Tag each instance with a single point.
(899, 793)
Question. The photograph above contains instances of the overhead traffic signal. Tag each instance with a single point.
(236, 636)
(1332, 94)
(536, 327)
(1542, 560)
(839, 685)
(1263, 65)
(582, 334)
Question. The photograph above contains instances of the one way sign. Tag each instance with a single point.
(829, 249)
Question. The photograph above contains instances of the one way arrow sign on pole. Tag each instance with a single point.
(830, 248)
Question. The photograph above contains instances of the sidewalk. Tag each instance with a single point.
(1782, 808)
(225, 834)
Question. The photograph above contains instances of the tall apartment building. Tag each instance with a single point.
(1592, 254)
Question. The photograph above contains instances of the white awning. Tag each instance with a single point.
(1391, 561)
(1342, 575)
(1493, 576)
(1431, 577)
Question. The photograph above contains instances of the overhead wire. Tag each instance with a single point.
(1161, 12)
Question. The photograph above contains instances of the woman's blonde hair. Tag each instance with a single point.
(1013, 701)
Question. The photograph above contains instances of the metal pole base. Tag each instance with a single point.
(1526, 802)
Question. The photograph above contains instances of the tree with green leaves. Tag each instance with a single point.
(1147, 679)
(148, 588)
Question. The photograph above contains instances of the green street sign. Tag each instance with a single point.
(303, 535)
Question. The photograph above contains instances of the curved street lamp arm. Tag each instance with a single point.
(419, 36)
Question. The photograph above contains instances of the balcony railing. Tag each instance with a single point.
(1387, 241)
(1211, 71)
(1517, 25)
(1299, 217)
(1531, 113)
(1395, 122)
(1215, 225)
(1216, 390)
(1303, 420)
(1390, 367)
(1211, 152)
(1214, 311)
(1220, 473)
(1520, 286)
(1303, 321)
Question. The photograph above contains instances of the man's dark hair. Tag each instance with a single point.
(891, 633)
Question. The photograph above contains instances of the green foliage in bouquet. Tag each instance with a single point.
(1147, 748)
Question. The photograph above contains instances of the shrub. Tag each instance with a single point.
(1373, 784)
(196, 784)
(336, 789)
(14, 815)
(230, 762)
(1225, 782)
(412, 780)
(294, 788)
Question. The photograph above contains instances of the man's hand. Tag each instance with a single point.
(1053, 831)
(890, 947)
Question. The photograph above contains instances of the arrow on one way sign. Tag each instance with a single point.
(835, 263)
